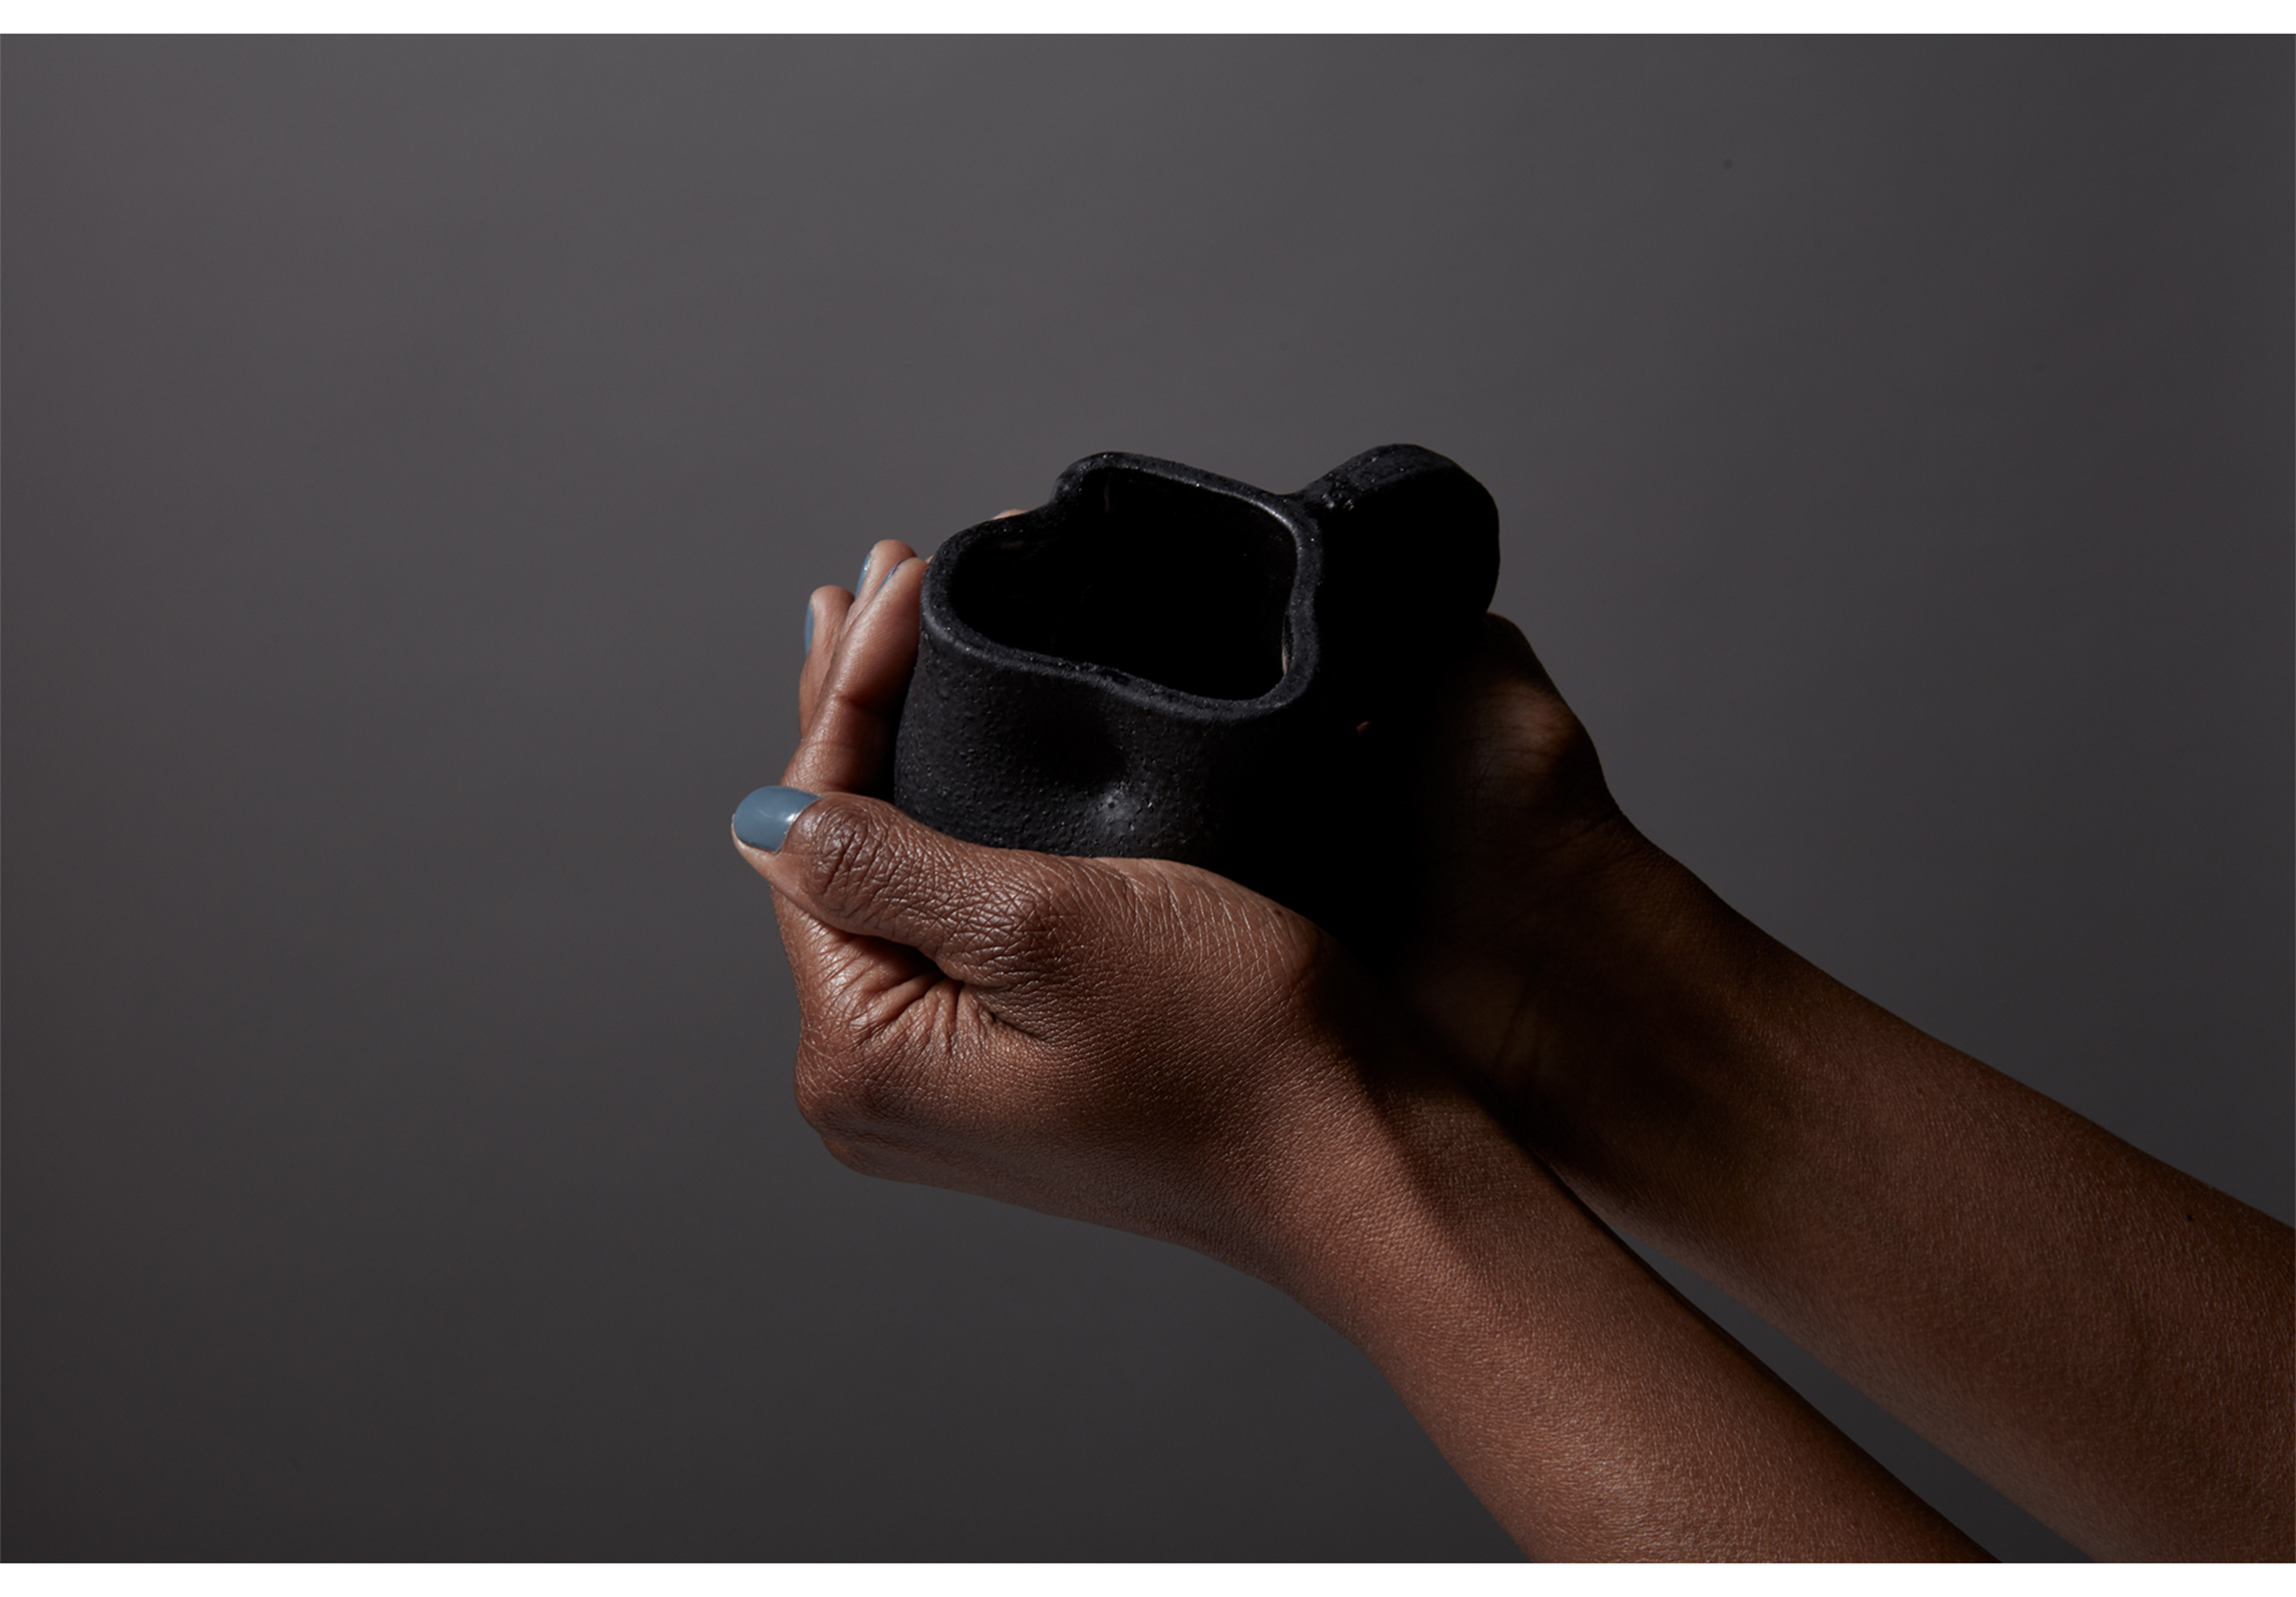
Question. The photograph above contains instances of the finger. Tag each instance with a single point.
(884, 555)
(1503, 650)
(986, 917)
(848, 741)
(824, 621)
(826, 613)
(1455, 703)
(841, 978)
(845, 980)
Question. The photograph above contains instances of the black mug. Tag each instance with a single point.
(1160, 663)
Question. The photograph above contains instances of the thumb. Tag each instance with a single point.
(983, 916)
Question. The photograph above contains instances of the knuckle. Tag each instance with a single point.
(1032, 920)
(1030, 905)
(847, 846)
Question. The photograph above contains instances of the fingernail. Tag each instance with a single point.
(809, 626)
(861, 583)
(763, 820)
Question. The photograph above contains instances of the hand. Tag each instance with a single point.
(2070, 1319)
(1515, 844)
(1135, 1043)
(1151, 1047)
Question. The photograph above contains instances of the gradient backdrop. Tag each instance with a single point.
(418, 453)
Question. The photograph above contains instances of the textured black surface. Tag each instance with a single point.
(1160, 663)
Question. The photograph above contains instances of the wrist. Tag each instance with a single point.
(1642, 966)
(1379, 1185)
(1636, 1024)
(1579, 944)
(1594, 1414)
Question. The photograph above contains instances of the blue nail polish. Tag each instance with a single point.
(861, 583)
(763, 819)
(809, 626)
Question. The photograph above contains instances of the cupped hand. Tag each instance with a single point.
(1499, 874)
(1148, 1046)
(1135, 1043)
(1506, 847)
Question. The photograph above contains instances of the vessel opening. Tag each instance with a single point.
(1180, 585)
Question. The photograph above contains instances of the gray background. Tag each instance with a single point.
(418, 453)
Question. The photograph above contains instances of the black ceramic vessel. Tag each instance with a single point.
(1161, 662)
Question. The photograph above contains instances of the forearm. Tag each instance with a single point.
(1596, 1415)
(2102, 1337)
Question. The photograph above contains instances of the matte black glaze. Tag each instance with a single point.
(1162, 662)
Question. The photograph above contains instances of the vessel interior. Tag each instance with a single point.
(1176, 584)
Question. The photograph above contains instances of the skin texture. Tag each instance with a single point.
(1148, 1046)
(1567, 1030)
(2103, 1338)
